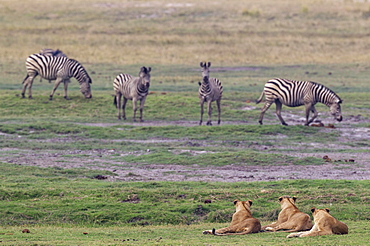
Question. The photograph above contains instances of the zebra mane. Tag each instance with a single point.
(315, 84)
(327, 89)
(81, 74)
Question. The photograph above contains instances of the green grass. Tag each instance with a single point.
(56, 196)
(165, 235)
(58, 206)
(248, 43)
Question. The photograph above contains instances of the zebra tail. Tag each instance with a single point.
(260, 98)
(115, 101)
(25, 79)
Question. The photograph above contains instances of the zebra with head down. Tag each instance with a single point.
(294, 93)
(60, 69)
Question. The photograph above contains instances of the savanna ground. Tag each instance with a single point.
(248, 42)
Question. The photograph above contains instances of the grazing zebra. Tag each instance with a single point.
(297, 93)
(60, 69)
(131, 88)
(210, 90)
(51, 52)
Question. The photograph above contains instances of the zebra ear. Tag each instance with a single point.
(149, 69)
(201, 64)
(209, 64)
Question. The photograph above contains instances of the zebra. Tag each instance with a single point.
(294, 93)
(60, 69)
(51, 52)
(131, 88)
(209, 90)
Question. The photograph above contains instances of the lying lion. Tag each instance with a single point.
(241, 223)
(325, 224)
(290, 218)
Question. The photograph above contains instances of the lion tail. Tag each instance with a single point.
(231, 233)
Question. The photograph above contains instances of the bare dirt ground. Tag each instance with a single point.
(353, 165)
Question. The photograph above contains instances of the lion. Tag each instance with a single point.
(242, 221)
(290, 218)
(325, 224)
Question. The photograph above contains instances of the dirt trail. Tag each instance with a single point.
(105, 159)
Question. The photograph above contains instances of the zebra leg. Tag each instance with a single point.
(57, 82)
(201, 111)
(124, 107)
(66, 82)
(27, 82)
(263, 110)
(117, 102)
(278, 112)
(142, 101)
(134, 104)
(209, 106)
(30, 83)
(314, 111)
(219, 110)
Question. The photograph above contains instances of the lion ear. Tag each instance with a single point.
(313, 209)
(327, 210)
(250, 203)
(294, 198)
(280, 198)
(235, 201)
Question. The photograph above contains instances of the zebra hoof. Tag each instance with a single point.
(260, 122)
(50, 98)
(209, 124)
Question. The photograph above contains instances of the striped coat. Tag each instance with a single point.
(210, 90)
(294, 93)
(60, 69)
(131, 88)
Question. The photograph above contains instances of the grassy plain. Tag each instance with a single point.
(248, 42)
(68, 207)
